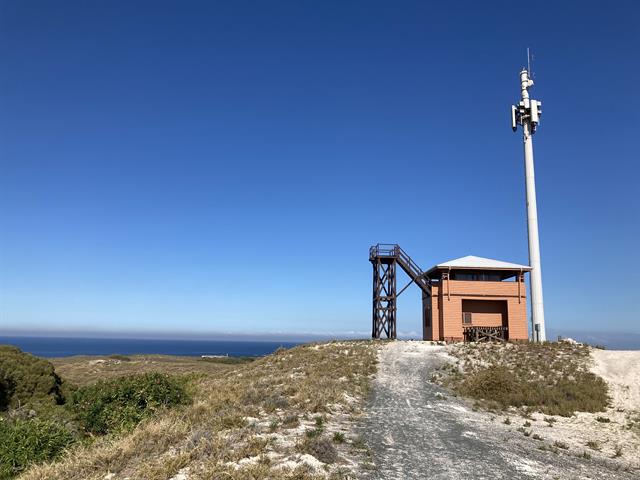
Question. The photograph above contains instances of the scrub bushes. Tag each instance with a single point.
(25, 442)
(120, 404)
(583, 392)
(27, 380)
(553, 378)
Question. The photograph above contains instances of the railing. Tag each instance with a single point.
(391, 250)
(384, 250)
(410, 263)
(485, 334)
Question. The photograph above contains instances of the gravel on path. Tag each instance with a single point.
(416, 430)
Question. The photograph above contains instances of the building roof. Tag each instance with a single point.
(471, 262)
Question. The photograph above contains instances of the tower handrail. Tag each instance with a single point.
(393, 250)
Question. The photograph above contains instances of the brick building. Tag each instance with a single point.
(475, 298)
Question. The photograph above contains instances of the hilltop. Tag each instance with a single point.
(339, 410)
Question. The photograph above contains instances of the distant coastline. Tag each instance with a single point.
(52, 347)
(609, 340)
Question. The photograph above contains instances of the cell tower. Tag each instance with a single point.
(527, 113)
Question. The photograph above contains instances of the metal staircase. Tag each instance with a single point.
(384, 258)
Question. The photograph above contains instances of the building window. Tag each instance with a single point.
(466, 318)
(476, 276)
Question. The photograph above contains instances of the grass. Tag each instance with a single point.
(338, 437)
(25, 442)
(593, 445)
(41, 415)
(83, 370)
(550, 377)
(212, 434)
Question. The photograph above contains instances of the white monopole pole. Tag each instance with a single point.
(529, 119)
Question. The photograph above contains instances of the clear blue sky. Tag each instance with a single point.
(224, 166)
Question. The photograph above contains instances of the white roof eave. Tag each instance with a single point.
(472, 262)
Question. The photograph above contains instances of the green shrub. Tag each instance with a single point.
(229, 360)
(25, 379)
(122, 358)
(580, 391)
(121, 403)
(31, 441)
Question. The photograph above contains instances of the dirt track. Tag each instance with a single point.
(417, 431)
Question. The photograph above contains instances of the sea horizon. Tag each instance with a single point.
(58, 346)
(66, 344)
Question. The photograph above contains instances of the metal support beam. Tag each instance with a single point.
(404, 288)
(385, 258)
(384, 298)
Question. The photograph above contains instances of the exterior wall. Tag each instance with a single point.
(446, 308)
(518, 327)
(486, 313)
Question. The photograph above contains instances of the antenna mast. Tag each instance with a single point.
(527, 114)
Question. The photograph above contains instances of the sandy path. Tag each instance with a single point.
(416, 431)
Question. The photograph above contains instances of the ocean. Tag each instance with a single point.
(66, 347)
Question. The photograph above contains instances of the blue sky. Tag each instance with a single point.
(224, 166)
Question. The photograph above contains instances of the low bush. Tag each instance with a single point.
(585, 392)
(120, 404)
(551, 378)
(25, 379)
(228, 360)
(319, 447)
(122, 358)
(32, 441)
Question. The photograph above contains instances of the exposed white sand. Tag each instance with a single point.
(621, 370)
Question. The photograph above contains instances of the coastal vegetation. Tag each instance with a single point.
(42, 416)
(27, 380)
(86, 369)
(552, 378)
(120, 404)
(30, 441)
(286, 415)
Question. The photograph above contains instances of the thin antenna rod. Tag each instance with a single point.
(528, 62)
